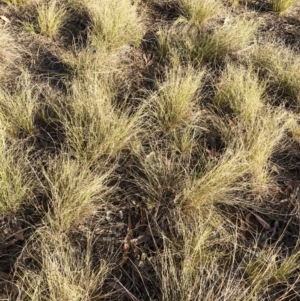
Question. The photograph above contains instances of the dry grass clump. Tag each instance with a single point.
(198, 276)
(10, 56)
(219, 183)
(251, 146)
(51, 17)
(18, 109)
(184, 142)
(269, 269)
(295, 127)
(74, 191)
(61, 270)
(198, 12)
(174, 104)
(281, 65)
(16, 178)
(281, 6)
(260, 140)
(114, 24)
(94, 127)
(164, 37)
(224, 40)
(161, 178)
(240, 90)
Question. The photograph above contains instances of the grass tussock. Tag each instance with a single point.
(16, 178)
(281, 65)
(197, 13)
(199, 264)
(281, 6)
(76, 193)
(66, 270)
(261, 141)
(240, 90)
(51, 17)
(114, 24)
(94, 127)
(217, 184)
(174, 104)
(163, 179)
(18, 109)
(227, 39)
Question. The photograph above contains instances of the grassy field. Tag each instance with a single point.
(149, 150)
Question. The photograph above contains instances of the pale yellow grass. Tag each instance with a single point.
(174, 105)
(75, 192)
(65, 271)
(114, 23)
(51, 17)
(241, 90)
(282, 67)
(18, 109)
(281, 6)
(198, 12)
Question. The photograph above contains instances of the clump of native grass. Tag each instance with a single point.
(51, 17)
(240, 90)
(281, 64)
(198, 12)
(18, 108)
(232, 37)
(114, 23)
(174, 104)
(16, 177)
(199, 265)
(259, 129)
(74, 191)
(281, 6)
(164, 37)
(95, 128)
(269, 269)
(219, 183)
(60, 269)
(245, 165)
(260, 140)
(10, 56)
(161, 178)
(190, 266)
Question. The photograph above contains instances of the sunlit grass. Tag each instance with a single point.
(198, 12)
(174, 104)
(95, 129)
(65, 271)
(17, 110)
(281, 6)
(114, 24)
(240, 90)
(224, 40)
(281, 64)
(16, 178)
(51, 17)
(261, 140)
(75, 193)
